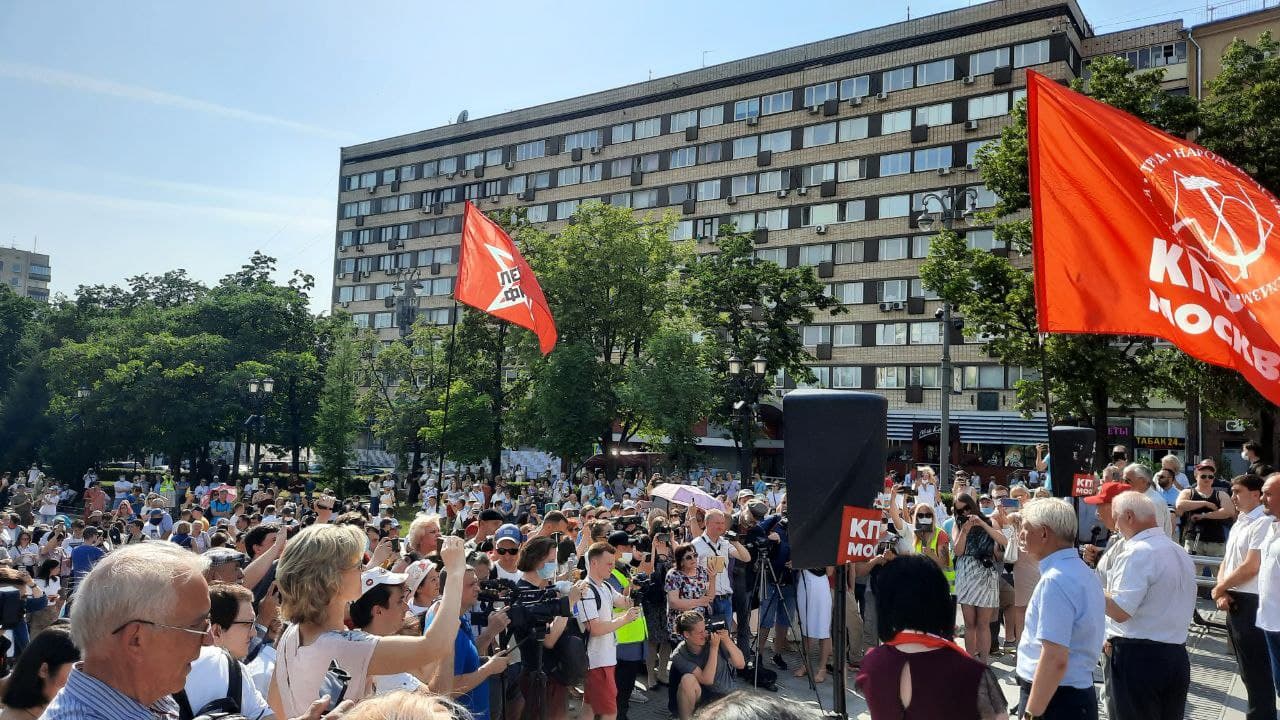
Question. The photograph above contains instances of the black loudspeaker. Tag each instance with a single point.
(835, 455)
(1070, 451)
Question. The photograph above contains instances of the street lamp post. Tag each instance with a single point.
(259, 390)
(747, 383)
(407, 301)
(953, 204)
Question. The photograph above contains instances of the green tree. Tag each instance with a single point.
(336, 418)
(673, 390)
(405, 380)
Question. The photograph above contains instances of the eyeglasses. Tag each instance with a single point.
(192, 631)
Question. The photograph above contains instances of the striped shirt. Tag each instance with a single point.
(84, 697)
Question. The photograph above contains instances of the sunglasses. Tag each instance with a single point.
(505, 551)
(1205, 477)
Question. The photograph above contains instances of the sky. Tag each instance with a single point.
(139, 137)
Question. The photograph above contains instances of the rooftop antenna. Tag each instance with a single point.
(462, 117)
(908, 11)
(704, 57)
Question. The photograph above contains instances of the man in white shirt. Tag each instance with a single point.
(1237, 593)
(380, 611)
(1151, 596)
(1141, 479)
(1173, 464)
(1269, 576)
(219, 674)
(595, 613)
(122, 488)
(714, 551)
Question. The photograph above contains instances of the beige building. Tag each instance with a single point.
(26, 273)
(827, 151)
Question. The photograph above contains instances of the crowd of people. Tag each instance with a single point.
(524, 597)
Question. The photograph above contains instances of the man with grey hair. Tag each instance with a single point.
(714, 551)
(1064, 627)
(1173, 464)
(1140, 478)
(1151, 595)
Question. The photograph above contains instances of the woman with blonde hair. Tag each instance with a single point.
(404, 705)
(319, 575)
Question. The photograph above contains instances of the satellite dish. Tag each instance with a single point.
(462, 116)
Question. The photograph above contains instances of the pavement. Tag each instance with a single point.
(1216, 692)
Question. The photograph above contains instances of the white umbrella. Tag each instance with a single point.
(687, 495)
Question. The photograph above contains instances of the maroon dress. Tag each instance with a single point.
(944, 684)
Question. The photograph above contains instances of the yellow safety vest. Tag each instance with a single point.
(950, 572)
(637, 630)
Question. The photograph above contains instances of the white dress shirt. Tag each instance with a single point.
(1269, 581)
(1247, 534)
(1164, 515)
(703, 546)
(1154, 581)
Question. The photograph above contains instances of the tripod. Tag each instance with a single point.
(763, 566)
(538, 687)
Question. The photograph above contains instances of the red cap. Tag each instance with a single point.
(1108, 492)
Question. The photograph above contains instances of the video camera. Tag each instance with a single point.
(623, 521)
(535, 608)
(714, 626)
(494, 590)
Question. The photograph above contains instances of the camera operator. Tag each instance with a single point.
(779, 602)
(714, 551)
(537, 563)
(702, 666)
(633, 646)
(752, 536)
(470, 676)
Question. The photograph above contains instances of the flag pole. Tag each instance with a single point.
(448, 385)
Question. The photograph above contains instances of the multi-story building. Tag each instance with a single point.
(828, 152)
(25, 272)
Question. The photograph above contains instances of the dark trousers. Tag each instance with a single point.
(1067, 703)
(1147, 680)
(1249, 646)
(742, 595)
(624, 677)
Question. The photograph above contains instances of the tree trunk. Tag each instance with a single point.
(1267, 432)
(295, 422)
(498, 399)
(1102, 443)
(235, 458)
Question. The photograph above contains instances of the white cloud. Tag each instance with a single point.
(87, 84)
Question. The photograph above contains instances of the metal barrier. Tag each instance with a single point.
(1206, 582)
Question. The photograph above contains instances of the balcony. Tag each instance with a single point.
(38, 272)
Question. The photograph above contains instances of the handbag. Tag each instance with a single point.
(1011, 551)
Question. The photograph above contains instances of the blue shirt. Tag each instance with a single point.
(83, 558)
(466, 659)
(86, 698)
(1067, 608)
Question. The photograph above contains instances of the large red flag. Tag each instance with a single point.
(493, 277)
(1139, 232)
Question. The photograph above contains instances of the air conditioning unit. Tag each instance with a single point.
(782, 193)
(802, 190)
(494, 198)
(753, 120)
(883, 95)
(463, 173)
(815, 109)
(732, 200)
(944, 171)
(450, 175)
(511, 164)
(971, 167)
(821, 229)
(855, 101)
(595, 149)
(342, 276)
(898, 305)
(426, 210)
(342, 249)
(360, 248)
(373, 189)
(346, 304)
(886, 306)
(970, 124)
(968, 80)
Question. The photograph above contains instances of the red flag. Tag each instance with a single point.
(493, 277)
(1139, 232)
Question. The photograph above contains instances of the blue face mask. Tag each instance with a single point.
(547, 571)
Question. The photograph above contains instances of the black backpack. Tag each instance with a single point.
(12, 607)
(223, 708)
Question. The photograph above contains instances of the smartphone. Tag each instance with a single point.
(1010, 503)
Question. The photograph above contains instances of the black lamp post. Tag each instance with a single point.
(407, 301)
(259, 390)
(748, 385)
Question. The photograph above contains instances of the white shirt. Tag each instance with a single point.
(1269, 581)
(705, 549)
(122, 488)
(208, 680)
(260, 669)
(1163, 515)
(1249, 533)
(1154, 581)
(50, 587)
(927, 493)
(602, 650)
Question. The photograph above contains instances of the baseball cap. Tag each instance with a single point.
(1108, 493)
(415, 574)
(619, 537)
(758, 509)
(743, 493)
(508, 532)
(628, 504)
(380, 576)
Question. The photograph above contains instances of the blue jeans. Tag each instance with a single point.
(722, 609)
(772, 611)
(373, 505)
(1273, 649)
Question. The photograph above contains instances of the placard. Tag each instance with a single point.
(860, 531)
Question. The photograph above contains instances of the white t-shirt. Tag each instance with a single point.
(705, 549)
(513, 576)
(122, 488)
(50, 587)
(49, 503)
(1269, 581)
(602, 650)
(300, 671)
(209, 678)
(1249, 533)
(260, 669)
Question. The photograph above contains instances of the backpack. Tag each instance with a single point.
(566, 663)
(12, 607)
(223, 708)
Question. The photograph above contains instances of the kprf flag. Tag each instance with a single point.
(1139, 232)
(493, 277)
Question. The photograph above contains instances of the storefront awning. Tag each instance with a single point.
(998, 428)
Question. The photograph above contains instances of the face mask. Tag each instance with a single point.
(548, 570)
(417, 609)
(1244, 455)
(924, 523)
(626, 558)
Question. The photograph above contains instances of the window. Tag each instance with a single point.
(777, 256)
(569, 176)
(531, 150)
(895, 164)
(536, 213)
(387, 204)
(566, 208)
(404, 202)
(818, 94)
(622, 133)
(893, 249)
(493, 157)
(818, 174)
(347, 265)
(388, 176)
(931, 73)
(472, 160)
(776, 141)
(516, 184)
(920, 246)
(1016, 95)
(934, 115)
(746, 147)
(984, 376)
(987, 60)
(592, 172)
(855, 87)
(368, 180)
(448, 165)
(820, 214)
(855, 210)
(361, 320)
(816, 135)
(742, 185)
(621, 167)
(822, 377)
(971, 151)
(775, 103)
(347, 238)
(926, 376)
(709, 190)
(981, 240)
(430, 168)
(988, 106)
(986, 197)
(706, 227)
(853, 129)
(1032, 53)
(383, 320)
(771, 181)
(846, 377)
(584, 139)
(919, 290)
(893, 290)
(926, 333)
(648, 128)
(814, 335)
(540, 180)
(899, 79)
(683, 230)
(1025, 373)
(408, 172)
(811, 255)
(847, 293)
(365, 236)
(849, 335)
(351, 182)
(441, 286)
(682, 120)
(620, 199)
(895, 122)
(932, 158)
(1159, 427)
(684, 157)
(387, 234)
(745, 222)
(895, 206)
(744, 109)
(345, 294)
(365, 207)
(891, 377)
(848, 252)
(710, 116)
(644, 199)
(710, 152)
(772, 219)
(855, 169)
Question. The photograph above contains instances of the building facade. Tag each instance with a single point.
(26, 273)
(828, 152)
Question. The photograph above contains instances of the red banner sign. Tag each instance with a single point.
(860, 530)
(1083, 485)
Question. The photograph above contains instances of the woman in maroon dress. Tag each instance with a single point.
(920, 673)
